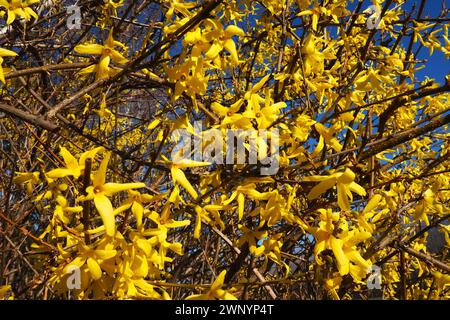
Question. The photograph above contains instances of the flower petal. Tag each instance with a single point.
(103, 67)
(214, 51)
(198, 222)
(342, 260)
(94, 268)
(105, 254)
(219, 109)
(218, 283)
(106, 211)
(7, 53)
(138, 211)
(179, 177)
(89, 49)
(343, 200)
(187, 163)
(231, 48)
(88, 70)
(100, 175)
(59, 173)
(177, 224)
(89, 154)
(241, 204)
(198, 297)
(118, 57)
(372, 204)
(356, 188)
(321, 188)
(232, 30)
(260, 84)
(11, 17)
(2, 75)
(69, 159)
(111, 188)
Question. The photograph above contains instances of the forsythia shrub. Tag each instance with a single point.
(97, 200)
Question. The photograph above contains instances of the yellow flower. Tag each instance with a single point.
(265, 116)
(366, 217)
(136, 201)
(29, 178)
(4, 53)
(106, 52)
(313, 59)
(272, 250)
(345, 186)
(315, 14)
(54, 189)
(188, 77)
(327, 135)
(179, 177)
(104, 112)
(269, 113)
(446, 230)
(252, 237)
(223, 39)
(62, 209)
(100, 191)
(333, 284)
(442, 281)
(248, 189)
(230, 115)
(110, 6)
(18, 8)
(348, 258)
(333, 234)
(181, 7)
(160, 233)
(73, 167)
(372, 80)
(4, 290)
(425, 205)
(93, 259)
(215, 292)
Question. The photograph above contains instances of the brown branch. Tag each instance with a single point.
(27, 233)
(28, 117)
(402, 275)
(238, 251)
(425, 257)
(52, 113)
(62, 66)
(386, 114)
(404, 136)
(86, 204)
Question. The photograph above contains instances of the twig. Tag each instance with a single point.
(86, 204)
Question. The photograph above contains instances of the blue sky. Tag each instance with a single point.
(437, 66)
